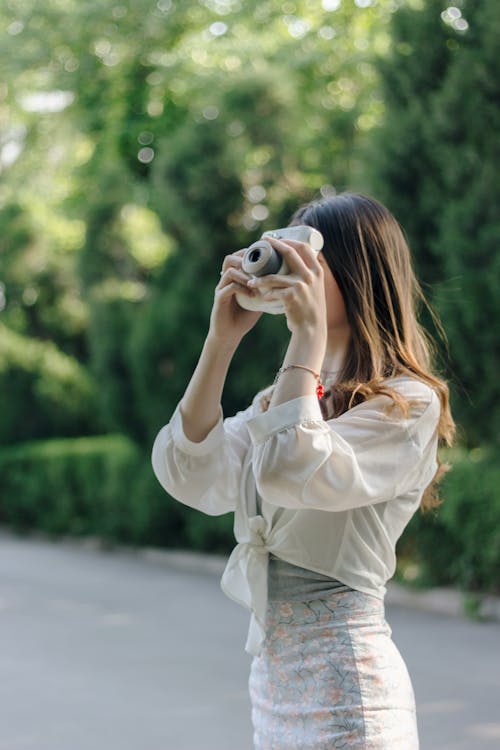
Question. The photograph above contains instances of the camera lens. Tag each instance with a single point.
(254, 256)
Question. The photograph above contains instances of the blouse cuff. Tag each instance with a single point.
(282, 416)
(214, 438)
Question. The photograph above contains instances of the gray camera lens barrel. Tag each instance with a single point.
(261, 259)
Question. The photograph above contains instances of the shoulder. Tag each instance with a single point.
(411, 387)
(379, 418)
(425, 406)
(420, 395)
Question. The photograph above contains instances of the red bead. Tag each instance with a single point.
(320, 390)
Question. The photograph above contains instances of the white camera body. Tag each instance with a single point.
(261, 259)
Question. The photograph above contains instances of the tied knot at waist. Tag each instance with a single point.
(245, 578)
(257, 536)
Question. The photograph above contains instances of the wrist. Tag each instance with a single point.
(316, 331)
(220, 346)
(290, 368)
(306, 347)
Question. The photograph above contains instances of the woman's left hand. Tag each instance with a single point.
(301, 291)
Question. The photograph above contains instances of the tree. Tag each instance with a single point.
(435, 162)
(215, 117)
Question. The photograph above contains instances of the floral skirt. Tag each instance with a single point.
(330, 676)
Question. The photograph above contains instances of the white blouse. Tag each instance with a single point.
(335, 494)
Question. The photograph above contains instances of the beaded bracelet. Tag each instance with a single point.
(319, 388)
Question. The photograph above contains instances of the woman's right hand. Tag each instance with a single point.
(229, 322)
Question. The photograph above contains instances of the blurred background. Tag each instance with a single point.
(140, 143)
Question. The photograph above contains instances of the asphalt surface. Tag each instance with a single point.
(113, 650)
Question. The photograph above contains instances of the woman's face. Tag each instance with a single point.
(335, 307)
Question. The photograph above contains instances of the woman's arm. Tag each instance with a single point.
(363, 457)
(303, 296)
(200, 405)
(197, 457)
(205, 475)
(304, 348)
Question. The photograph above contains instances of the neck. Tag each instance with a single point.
(336, 350)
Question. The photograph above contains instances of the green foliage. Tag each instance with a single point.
(435, 162)
(212, 534)
(217, 117)
(198, 194)
(99, 486)
(103, 486)
(148, 140)
(39, 288)
(474, 518)
(467, 120)
(78, 486)
(112, 310)
(43, 391)
(459, 544)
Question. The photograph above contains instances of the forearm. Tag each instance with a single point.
(200, 405)
(304, 349)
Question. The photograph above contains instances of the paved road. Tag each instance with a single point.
(114, 651)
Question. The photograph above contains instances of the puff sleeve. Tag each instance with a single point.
(361, 458)
(204, 475)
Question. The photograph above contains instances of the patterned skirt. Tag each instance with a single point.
(330, 676)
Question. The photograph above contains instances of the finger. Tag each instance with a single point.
(233, 274)
(306, 252)
(271, 295)
(285, 296)
(230, 289)
(300, 257)
(234, 260)
(273, 280)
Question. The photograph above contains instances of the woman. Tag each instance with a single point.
(322, 485)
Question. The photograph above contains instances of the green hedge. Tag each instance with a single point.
(459, 542)
(100, 486)
(72, 486)
(43, 392)
(104, 486)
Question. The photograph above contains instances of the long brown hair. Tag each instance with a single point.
(369, 257)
